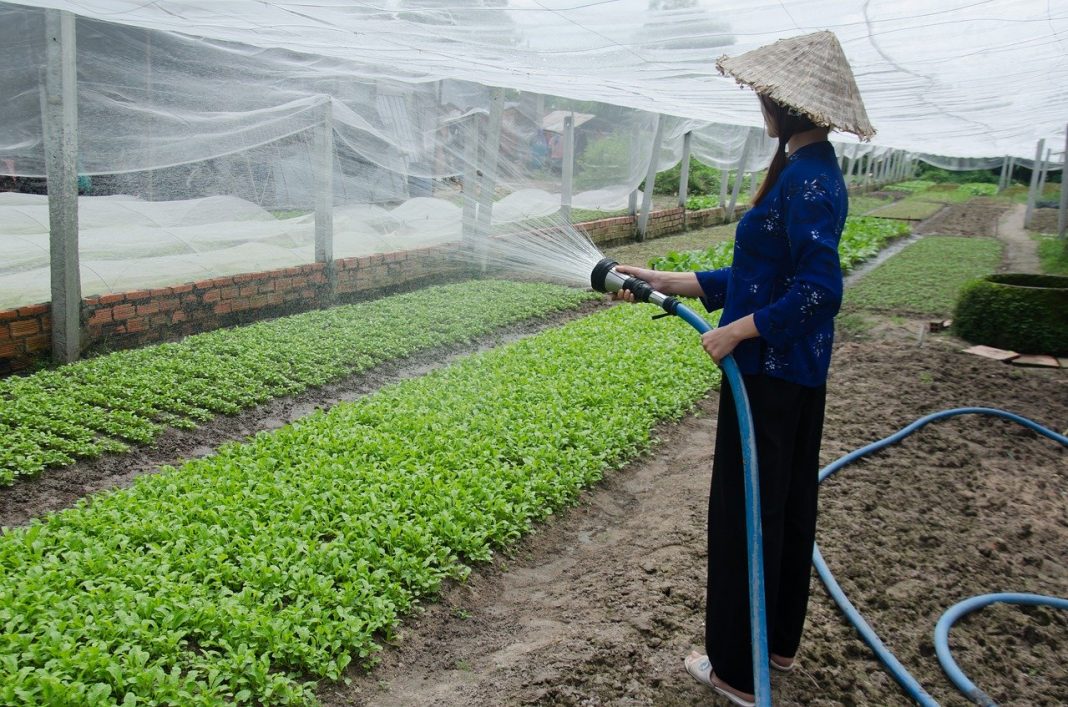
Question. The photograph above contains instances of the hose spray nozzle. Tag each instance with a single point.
(605, 278)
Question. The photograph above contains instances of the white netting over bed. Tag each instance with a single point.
(202, 124)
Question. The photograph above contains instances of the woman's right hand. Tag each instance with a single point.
(650, 276)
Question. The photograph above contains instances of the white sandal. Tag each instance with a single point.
(700, 669)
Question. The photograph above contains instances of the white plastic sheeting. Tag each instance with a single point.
(958, 77)
(205, 120)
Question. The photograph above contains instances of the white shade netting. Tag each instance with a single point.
(207, 130)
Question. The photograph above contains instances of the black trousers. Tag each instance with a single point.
(788, 425)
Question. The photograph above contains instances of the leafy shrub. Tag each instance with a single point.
(703, 180)
(914, 185)
(980, 189)
(1015, 311)
(862, 238)
(605, 160)
(702, 201)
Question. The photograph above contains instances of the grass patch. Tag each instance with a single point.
(862, 205)
(642, 253)
(1052, 254)
(925, 278)
(911, 209)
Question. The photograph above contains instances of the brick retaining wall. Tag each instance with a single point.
(126, 319)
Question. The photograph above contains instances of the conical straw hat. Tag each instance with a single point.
(809, 74)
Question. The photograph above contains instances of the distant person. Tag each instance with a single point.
(779, 299)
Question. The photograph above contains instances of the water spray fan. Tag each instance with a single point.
(606, 278)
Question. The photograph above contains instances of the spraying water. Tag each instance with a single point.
(546, 248)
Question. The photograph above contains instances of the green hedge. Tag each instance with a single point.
(1016, 311)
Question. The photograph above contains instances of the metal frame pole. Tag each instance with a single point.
(632, 151)
(324, 186)
(650, 180)
(1031, 196)
(60, 116)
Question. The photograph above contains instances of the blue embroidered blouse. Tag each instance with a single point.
(786, 271)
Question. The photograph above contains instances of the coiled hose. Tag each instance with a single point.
(941, 637)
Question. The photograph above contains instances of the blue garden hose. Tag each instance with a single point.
(758, 621)
(605, 278)
(941, 638)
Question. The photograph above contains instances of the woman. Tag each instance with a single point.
(779, 299)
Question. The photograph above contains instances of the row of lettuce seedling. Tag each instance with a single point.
(244, 576)
(103, 404)
(862, 238)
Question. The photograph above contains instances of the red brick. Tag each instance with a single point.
(318, 278)
(258, 301)
(33, 310)
(307, 293)
(228, 292)
(144, 310)
(222, 281)
(292, 271)
(162, 292)
(24, 327)
(5, 332)
(100, 317)
(11, 349)
(41, 342)
(8, 315)
(267, 287)
(204, 284)
(169, 305)
(111, 298)
(224, 307)
(192, 298)
(139, 294)
(123, 311)
(91, 301)
(274, 298)
(365, 261)
(212, 295)
(247, 291)
(178, 316)
(135, 325)
(182, 288)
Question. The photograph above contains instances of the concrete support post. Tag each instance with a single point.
(853, 164)
(739, 175)
(1043, 174)
(650, 180)
(684, 177)
(60, 121)
(567, 169)
(724, 179)
(1032, 195)
(1062, 214)
(684, 169)
(470, 183)
(324, 197)
(1002, 172)
(632, 199)
(488, 185)
(752, 186)
(324, 186)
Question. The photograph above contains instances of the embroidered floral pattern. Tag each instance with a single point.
(786, 270)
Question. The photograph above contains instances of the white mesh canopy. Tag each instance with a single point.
(206, 128)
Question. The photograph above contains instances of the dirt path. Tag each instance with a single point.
(1021, 252)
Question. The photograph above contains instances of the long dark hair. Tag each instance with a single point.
(789, 123)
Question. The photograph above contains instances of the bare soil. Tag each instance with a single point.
(978, 217)
(599, 605)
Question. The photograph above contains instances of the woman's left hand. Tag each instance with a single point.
(719, 342)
